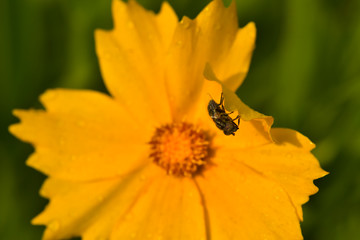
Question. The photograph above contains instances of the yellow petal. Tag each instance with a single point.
(171, 208)
(251, 134)
(243, 204)
(91, 209)
(236, 65)
(218, 26)
(227, 48)
(255, 132)
(232, 101)
(167, 22)
(82, 135)
(289, 163)
(254, 127)
(131, 59)
(291, 139)
(208, 38)
(183, 69)
(233, 69)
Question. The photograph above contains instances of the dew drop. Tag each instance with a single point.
(61, 141)
(54, 225)
(265, 236)
(217, 27)
(142, 177)
(186, 24)
(107, 55)
(129, 216)
(100, 198)
(115, 49)
(130, 25)
(159, 237)
(51, 95)
(179, 43)
(80, 123)
(59, 123)
(251, 34)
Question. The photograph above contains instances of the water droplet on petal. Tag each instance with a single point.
(130, 25)
(107, 56)
(100, 198)
(265, 236)
(50, 95)
(159, 237)
(80, 123)
(217, 27)
(54, 225)
(186, 24)
(129, 216)
(179, 43)
(251, 34)
(61, 141)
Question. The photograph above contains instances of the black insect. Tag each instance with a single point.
(222, 119)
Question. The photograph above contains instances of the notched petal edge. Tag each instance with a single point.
(234, 103)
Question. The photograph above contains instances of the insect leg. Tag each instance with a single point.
(237, 118)
(221, 104)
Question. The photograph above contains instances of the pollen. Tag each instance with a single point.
(180, 148)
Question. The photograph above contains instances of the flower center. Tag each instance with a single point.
(179, 148)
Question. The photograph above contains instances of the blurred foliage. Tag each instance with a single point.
(305, 72)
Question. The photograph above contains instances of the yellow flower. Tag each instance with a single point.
(149, 162)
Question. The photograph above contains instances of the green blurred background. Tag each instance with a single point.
(305, 72)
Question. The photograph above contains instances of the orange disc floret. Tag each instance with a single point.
(180, 148)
